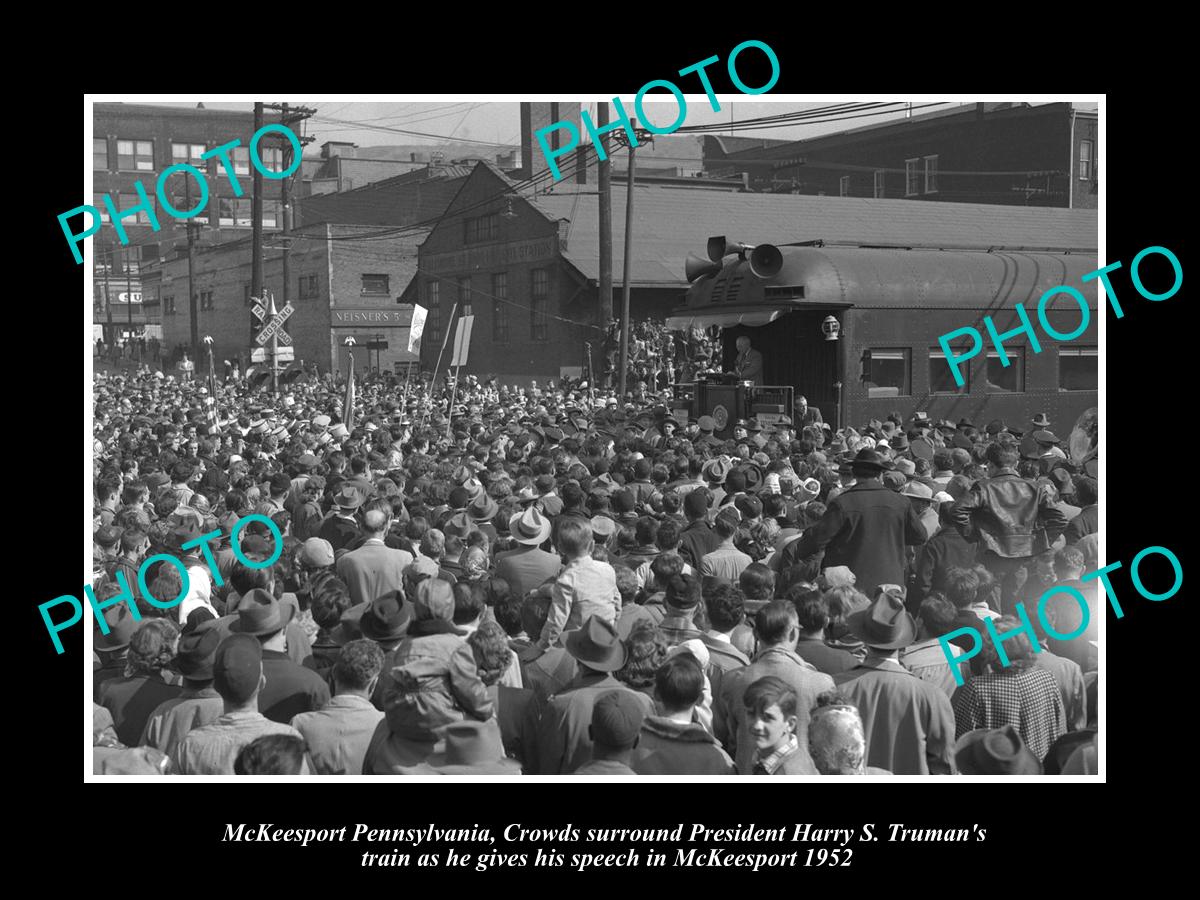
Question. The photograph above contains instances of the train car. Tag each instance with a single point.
(855, 328)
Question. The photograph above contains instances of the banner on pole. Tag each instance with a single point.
(417, 326)
(462, 341)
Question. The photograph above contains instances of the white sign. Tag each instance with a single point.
(417, 326)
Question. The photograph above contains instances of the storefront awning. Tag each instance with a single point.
(708, 317)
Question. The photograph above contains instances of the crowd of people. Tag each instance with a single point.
(538, 581)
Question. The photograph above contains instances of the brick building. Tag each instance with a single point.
(134, 142)
(1005, 153)
(351, 257)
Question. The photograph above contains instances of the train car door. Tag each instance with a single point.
(795, 353)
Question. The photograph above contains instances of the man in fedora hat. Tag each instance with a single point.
(866, 528)
(238, 677)
(908, 722)
(995, 751)
(198, 703)
(290, 689)
(374, 569)
(528, 566)
(340, 527)
(560, 742)
(471, 748)
(111, 641)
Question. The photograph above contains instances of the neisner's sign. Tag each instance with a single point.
(365, 316)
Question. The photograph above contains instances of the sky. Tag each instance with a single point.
(478, 119)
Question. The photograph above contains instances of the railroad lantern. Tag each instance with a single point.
(831, 328)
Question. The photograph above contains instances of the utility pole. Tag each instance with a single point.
(627, 262)
(129, 303)
(606, 310)
(108, 337)
(288, 116)
(285, 201)
(191, 247)
(256, 210)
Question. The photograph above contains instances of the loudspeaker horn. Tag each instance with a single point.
(766, 261)
(719, 247)
(697, 266)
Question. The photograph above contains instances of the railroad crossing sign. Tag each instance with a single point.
(274, 327)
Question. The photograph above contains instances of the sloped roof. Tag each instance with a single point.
(670, 222)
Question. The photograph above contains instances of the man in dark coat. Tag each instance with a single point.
(559, 738)
(866, 528)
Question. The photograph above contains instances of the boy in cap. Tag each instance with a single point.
(237, 677)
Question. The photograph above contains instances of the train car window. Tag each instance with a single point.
(941, 379)
(888, 373)
(1008, 379)
(1078, 368)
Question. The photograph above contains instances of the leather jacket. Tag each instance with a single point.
(1010, 515)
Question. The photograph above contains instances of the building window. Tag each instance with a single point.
(941, 378)
(168, 306)
(912, 177)
(887, 373)
(539, 316)
(433, 321)
(235, 212)
(190, 154)
(98, 202)
(206, 299)
(375, 284)
(464, 296)
(135, 156)
(500, 307)
(481, 228)
(272, 217)
(272, 158)
(931, 174)
(844, 185)
(241, 160)
(1078, 369)
(878, 183)
(125, 202)
(1008, 379)
(1085, 160)
(308, 287)
(100, 154)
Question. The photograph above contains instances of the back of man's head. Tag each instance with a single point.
(1003, 456)
(835, 737)
(679, 683)
(357, 665)
(962, 586)
(776, 622)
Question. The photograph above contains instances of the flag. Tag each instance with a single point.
(418, 325)
(348, 406)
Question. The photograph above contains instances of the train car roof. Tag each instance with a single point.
(872, 278)
(670, 222)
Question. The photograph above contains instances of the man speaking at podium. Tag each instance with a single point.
(749, 364)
